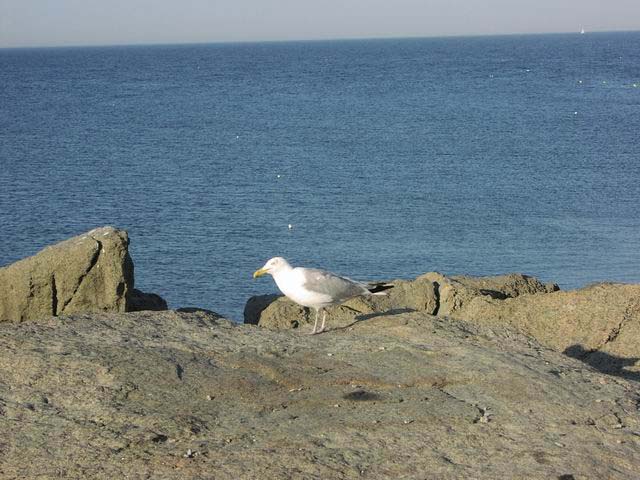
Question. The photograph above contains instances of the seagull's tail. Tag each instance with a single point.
(378, 288)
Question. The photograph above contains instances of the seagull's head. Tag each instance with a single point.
(272, 266)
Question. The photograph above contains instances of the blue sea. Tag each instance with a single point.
(376, 159)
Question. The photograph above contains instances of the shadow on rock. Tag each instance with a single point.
(604, 362)
(370, 316)
(394, 311)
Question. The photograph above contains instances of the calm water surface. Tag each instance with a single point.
(389, 158)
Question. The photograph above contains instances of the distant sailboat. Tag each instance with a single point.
(581, 30)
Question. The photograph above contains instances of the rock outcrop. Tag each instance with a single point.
(455, 292)
(90, 272)
(432, 293)
(277, 311)
(188, 396)
(599, 324)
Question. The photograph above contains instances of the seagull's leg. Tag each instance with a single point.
(324, 318)
(315, 325)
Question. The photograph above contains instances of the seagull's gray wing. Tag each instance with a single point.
(338, 288)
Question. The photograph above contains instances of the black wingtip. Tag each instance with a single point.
(379, 287)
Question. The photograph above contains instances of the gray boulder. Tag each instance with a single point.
(90, 272)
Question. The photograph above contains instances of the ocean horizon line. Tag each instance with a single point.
(309, 40)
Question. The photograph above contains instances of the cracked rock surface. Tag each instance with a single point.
(90, 272)
(178, 395)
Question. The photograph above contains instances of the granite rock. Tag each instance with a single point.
(189, 395)
(599, 324)
(277, 311)
(430, 293)
(89, 272)
(457, 290)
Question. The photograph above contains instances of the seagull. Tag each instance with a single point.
(315, 288)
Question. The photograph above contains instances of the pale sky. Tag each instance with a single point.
(107, 22)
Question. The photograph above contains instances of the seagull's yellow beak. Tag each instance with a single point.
(259, 273)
